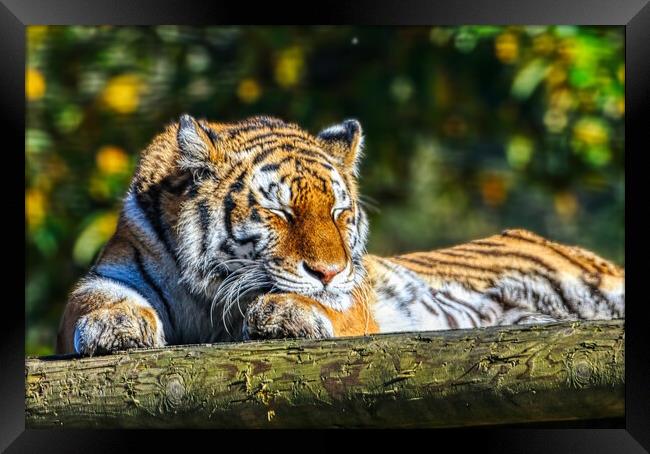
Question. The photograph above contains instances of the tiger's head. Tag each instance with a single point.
(259, 206)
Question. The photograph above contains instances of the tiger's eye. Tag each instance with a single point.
(336, 212)
(284, 214)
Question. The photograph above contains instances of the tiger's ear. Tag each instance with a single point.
(344, 142)
(197, 144)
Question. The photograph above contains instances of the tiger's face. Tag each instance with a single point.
(271, 209)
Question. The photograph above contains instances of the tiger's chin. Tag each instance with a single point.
(339, 301)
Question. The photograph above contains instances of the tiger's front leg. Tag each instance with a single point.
(120, 325)
(103, 316)
(285, 315)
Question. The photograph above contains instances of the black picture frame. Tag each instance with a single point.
(15, 15)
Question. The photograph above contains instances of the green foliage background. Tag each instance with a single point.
(468, 129)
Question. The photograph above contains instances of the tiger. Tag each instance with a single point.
(255, 230)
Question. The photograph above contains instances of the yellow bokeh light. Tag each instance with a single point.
(122, 93)
(106, 225)
(249, 90)
(543, 44)
(35, 35)
(591, 132)
(566, 204)
(562, 100)
(556, 120)
(112, 160)
(289, 66)
(507, 47)
(568, 50)
(556, 75)
(493, 190)
(35, 208)
(34, 84)
(93, 237)
(621, 74)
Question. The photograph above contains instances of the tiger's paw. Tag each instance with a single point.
(278, 316)
(118, 327)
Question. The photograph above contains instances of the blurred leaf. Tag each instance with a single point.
(69, 118)
(37, 141)
(519, 151)
(528, 78)
(401, 89)
(598, 156)
(465, 40)
(581, 78)
(93, 237)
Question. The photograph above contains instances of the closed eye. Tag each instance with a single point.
(284, 214)
(336, 212)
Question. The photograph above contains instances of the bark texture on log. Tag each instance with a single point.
(561, 371)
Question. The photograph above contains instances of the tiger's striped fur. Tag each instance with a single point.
(255, 230)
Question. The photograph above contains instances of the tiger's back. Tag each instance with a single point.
(514, 277)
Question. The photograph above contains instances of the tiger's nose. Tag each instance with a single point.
(324, 273)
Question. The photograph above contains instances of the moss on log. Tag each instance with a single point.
(553, 372)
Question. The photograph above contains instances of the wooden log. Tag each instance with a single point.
(551, 372)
